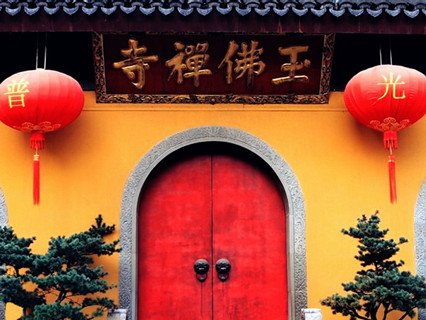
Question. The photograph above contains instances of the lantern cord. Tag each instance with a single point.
(45, 51)
(36, 64)
(390, 53)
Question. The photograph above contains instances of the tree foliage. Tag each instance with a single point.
(62, 284)
(379, 288)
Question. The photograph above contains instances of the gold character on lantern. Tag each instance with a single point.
(294, 65)
(135, 65)
(392, 82)
(189, 58)
(249, 62)
(16, 92)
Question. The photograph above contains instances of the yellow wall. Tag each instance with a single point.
(341, 167)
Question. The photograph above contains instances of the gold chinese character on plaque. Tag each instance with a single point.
(136, 63)
(248, 62)
(294, 65)
(16, 91)
(391, 82)
(189, 62)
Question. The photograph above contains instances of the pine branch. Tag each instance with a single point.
(357, 315)
(403, 316)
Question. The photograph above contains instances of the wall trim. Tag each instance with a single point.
(292, 195)
(4, 221)
(420, 238)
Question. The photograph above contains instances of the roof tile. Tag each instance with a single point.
(337, 8)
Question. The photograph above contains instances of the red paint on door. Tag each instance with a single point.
(174, 231)
(248, 230)
(212, 202)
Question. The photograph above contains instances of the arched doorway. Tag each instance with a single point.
(295, 216)
(216, 204)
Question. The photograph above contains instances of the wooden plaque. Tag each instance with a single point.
(212, 68)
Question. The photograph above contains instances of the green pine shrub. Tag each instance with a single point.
(63, 283)
(380, 288)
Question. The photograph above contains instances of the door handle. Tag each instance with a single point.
(223, 267)
(201, 268)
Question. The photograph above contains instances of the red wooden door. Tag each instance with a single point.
(212, 203)
(174, 231)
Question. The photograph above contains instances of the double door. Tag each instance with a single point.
(211, 239)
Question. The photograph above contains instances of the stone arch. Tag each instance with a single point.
(420, 238)
(292, 195)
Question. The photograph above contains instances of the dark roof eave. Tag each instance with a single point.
(311, 16)
(157, 22)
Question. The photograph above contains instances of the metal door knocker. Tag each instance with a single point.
(201, 268)
(223, 267)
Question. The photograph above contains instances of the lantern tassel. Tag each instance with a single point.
(390, 142)
(36, 143)
(392, 178)
(36, 179)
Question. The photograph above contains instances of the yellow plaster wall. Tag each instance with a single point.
(340, 165)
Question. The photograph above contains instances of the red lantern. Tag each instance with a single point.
(39, 101)
(387, 98)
